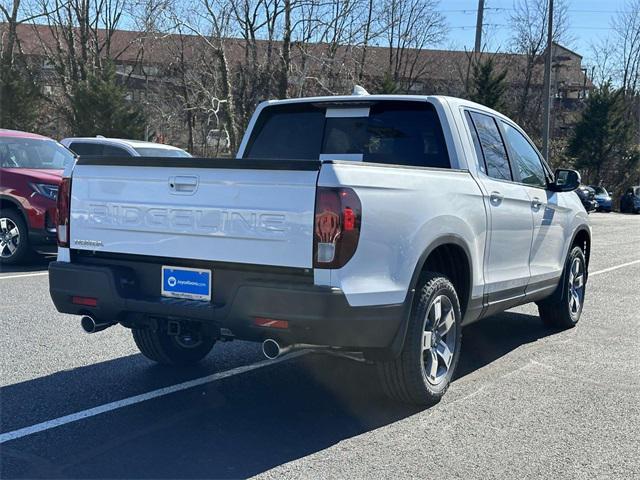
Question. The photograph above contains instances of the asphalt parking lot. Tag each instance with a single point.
(528, 402)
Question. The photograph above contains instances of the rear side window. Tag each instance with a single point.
(493, 149)
(399, 133)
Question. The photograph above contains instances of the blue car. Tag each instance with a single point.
(630, 201)
(605, 202)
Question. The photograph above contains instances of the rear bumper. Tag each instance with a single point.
(316, 315)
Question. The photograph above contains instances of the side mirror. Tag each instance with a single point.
(566, 180)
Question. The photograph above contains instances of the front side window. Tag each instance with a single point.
(17, 152)
(526, 160)
(493, 149)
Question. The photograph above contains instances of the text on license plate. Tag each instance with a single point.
(182, 282)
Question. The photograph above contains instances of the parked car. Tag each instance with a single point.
(372, 227)
(630, 201)
(30, 172)
(587, 196)
(602, 197)
(117, 147)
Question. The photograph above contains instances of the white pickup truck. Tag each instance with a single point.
(369, 226)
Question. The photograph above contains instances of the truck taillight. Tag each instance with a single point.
(64, 207)
(337, 226)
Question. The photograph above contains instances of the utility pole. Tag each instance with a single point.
(547, 85)
(478, 45)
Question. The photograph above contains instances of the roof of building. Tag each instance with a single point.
(160, 49)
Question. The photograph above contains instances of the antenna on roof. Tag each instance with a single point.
(358, 90)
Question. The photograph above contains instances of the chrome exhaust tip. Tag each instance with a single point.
(271, 349)
(90, 325)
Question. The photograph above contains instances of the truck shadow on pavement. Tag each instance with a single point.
(38, 263)
(236, 427)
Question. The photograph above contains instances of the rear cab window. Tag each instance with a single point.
(385, 132)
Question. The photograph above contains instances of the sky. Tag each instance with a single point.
(589, 20)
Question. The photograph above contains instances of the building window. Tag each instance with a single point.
(150, 70)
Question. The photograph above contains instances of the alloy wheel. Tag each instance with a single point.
(9, 237)
(438, 340)
(576, 287)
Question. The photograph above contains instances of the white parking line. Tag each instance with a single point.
(614, 268)
(161, 392)
(7, 277)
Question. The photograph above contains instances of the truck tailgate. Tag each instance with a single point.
(238, 211)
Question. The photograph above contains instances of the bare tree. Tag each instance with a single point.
(410, 27)
(529, 26)
(626, 26)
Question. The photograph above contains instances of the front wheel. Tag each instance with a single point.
(422, 373)
(14, 238)
(184, 349)
(564, 310)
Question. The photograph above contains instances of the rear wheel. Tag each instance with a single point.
(183, 349)
(422, 373)
(564, 310)
(14, 238)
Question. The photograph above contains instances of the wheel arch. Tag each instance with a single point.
(581, 238)
(9, 202)
(445, 255)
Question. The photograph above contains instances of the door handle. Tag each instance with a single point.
(536, 203)
(183, 184)
(496, 198)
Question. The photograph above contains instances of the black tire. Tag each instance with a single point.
(21, 243)
(405, 378)
(160, 347)
(559, 310)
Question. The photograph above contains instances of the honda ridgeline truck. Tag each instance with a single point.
(369, 226)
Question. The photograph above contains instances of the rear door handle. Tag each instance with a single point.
(496, 198)
(536, 203)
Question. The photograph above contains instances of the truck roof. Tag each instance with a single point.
(453, 101)
(122, 141)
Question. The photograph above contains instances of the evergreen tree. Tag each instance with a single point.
(20, 100)
(388, 85)
(99, 107)
(603, 141)
(488, 85)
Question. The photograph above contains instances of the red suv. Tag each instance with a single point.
(31, 168)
